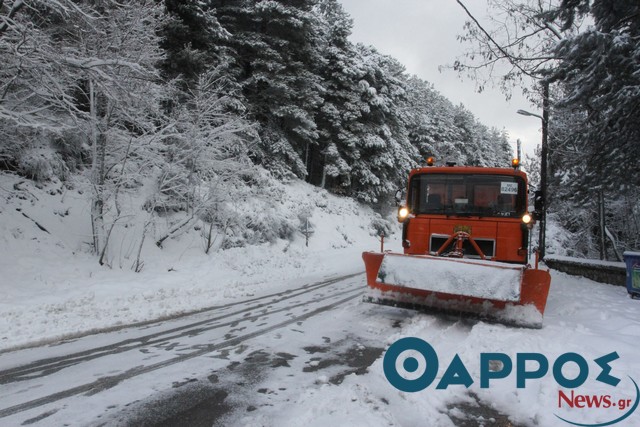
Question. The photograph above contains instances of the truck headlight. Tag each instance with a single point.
(403, 213)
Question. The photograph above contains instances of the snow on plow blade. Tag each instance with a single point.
(491, 290)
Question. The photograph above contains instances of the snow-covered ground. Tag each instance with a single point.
(51, 288)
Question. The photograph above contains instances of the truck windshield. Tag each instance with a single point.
(467, 195)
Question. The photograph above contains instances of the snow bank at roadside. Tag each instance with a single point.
(591, 262)
(53, 287)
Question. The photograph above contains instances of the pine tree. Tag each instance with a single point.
(340, 93)
(382, 154)
(189, 39)
(600, 74)
(595, 131)
(275, 62)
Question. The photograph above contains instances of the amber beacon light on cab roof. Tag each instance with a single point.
(465, 234)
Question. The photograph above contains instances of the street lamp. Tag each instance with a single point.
(542, 198)
(526, 113)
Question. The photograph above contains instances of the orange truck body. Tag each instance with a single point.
(472, 216)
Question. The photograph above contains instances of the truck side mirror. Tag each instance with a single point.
(538, 201)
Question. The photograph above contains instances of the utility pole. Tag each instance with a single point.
(541, 196)
(543, 167)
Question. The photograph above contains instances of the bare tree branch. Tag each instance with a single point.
(506, 55)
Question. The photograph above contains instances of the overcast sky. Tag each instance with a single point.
(421, 34)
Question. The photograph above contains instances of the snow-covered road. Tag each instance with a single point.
(312, 355)
(60, 382)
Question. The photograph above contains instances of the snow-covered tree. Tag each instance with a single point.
(190, 36)
(275, 54)
(36, 77)
(600, 75)
(205, 158)
(340, 93)
(90, 67)
(178, 100)
(589, 51)
(449, 132)
(116, 55)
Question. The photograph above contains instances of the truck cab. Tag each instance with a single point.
(489, 204)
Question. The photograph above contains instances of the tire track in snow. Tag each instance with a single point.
(107, 382)
(50, 365)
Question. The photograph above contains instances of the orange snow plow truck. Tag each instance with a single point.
(465, 233)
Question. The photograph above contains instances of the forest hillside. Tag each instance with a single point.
(167, 116)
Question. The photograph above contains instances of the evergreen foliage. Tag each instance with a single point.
(589, 53)
(199, 103)
(600, 75)
(595, 129)
(330, 112)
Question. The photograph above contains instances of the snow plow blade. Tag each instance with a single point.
(494, 291)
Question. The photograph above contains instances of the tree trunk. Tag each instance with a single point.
(603, 241)
(96, 208)
(98, 153)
